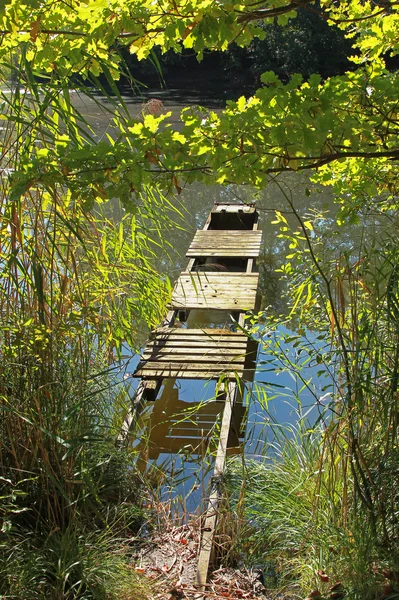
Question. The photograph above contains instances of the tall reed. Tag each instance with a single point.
(75, 289)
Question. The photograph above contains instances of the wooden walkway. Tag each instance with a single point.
(226, 243)
(221, 275)
(220, 291)
(196, 354)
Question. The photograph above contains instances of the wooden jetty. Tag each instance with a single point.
(221, 275)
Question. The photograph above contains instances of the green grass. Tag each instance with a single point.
(295, 525)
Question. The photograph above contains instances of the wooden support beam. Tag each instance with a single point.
(169, 319)
(210, 520)
(146, 390)
(250, 265)
(191, 264)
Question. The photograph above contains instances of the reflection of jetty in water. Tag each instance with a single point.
(177, 426)
(220, 281)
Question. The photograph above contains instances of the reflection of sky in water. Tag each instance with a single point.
(280, 400)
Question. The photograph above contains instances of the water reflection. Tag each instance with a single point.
(181, 437)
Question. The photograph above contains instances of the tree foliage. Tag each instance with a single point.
(343, 129)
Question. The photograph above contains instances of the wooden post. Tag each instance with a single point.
(146, 390)
(208, 529)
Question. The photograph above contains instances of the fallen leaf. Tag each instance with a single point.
(35, 30)
(314, 594)
(387, 590)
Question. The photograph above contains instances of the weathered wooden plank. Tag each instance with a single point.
(238, 233)
(195, 362)
(200, 355)
(181, 370)
(197, 343)
(223, 276)
(242, 250)
(180, 366)
(196, 334)
(219, 241)
(215, 294)
(220, 291)
(222, 303)
(229, 251)
(200, 287)
(220, 244)
(213, 504)
(226, 254)
(197, 338)
(187, 373)
(230, 375)
(215, 239)
(193, 342)
(214, 234)
(194, 365)
(225, 243)
(233, 208)
(190, 346)
(192, 350)
(204, 352)
(206, 331)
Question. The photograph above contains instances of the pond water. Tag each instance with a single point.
(179, 430)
